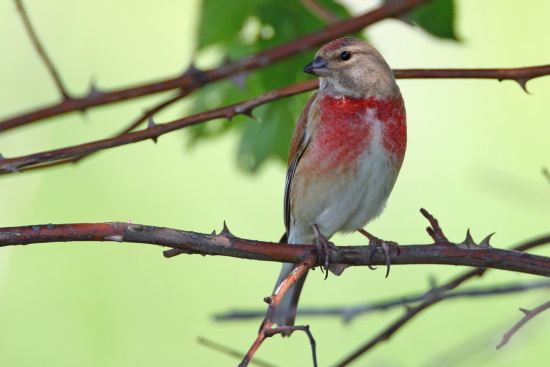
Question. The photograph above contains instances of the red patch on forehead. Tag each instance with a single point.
(331, 46)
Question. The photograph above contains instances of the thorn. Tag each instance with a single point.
(198, 75)
(523, 83)
(469, 241)
(150, 122)
(485, 243)
(524, 311)
(94, 92)
(230, 116)
(247, 111)
(213, 233)
(225, 231)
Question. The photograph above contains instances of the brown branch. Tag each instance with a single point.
(267, 330)
(348, 313)
(230, 352)
(229, 245)
(193, 79)
(66, 155)
(433, 296)
(320, 11)
(71, 154)
(528, 315)
(41, 51)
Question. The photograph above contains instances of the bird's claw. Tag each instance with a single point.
(375, 242)
(324, 247)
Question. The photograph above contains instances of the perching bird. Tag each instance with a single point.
(346, 151)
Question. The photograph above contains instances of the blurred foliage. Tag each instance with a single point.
(250, 26)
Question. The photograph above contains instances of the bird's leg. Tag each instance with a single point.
(375, 242)
(324, 246)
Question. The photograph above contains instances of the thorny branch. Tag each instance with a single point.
(349, 313)
(225, 244)
(71, 154)
(267, 330)
(193, 78)
(433, 296)
(528, 315)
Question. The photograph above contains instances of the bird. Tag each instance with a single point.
(346, 151)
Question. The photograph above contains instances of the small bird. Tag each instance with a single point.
(346, 152)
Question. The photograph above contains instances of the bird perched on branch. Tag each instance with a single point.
(346, 152)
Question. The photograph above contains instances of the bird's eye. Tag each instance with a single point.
(345, 56)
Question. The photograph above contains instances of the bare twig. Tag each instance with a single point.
(433, 296)
(528, 315)
(435, 230)
(267, 330)
(69, 155)
(348, 313)
(320, 11)
(231, 352)
(41, 51)
(193, 79)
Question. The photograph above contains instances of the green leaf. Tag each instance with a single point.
(250, 27)
(436, 18)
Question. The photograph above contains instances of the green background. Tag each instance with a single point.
(476, 149)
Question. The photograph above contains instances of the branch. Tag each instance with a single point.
(433, 296)
(229, 245)
(529, 314)
(193, 79)
(267, 330)
(41, 51)
(72, 154)
(348, 313)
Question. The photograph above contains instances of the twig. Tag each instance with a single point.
(193, 79)
(434, 296)
(41, 51)
(266, 330)
(320, 11)
(70, 154)
(348, 313)
(231, 352)
(11, 165)
(529, 314)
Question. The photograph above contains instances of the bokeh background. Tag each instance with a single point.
(474, 160)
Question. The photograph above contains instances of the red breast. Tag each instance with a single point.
(344, 128)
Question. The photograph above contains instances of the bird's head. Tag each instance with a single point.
(352, 67)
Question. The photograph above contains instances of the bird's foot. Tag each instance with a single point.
(375, 242)
(324, 247)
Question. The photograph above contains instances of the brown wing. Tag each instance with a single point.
(298, 145)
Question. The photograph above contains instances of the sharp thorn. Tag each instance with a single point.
(469, 241)
(524, 311)
(213, 233)
(485, 243)
(523, 84)
(225, 231)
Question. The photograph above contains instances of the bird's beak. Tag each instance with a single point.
(317, 67)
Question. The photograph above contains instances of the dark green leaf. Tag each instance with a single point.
(437, 18)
